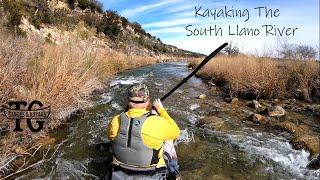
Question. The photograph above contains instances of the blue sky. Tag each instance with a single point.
(167, 20)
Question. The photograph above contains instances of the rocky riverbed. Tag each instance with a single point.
(301, 120)
(221, 138)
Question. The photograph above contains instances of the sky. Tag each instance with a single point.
(176, 21)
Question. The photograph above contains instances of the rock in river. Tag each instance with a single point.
(255, 104)
(213, 122)
(216, 107)
(314, 163)
(211, 84)
(194, 107)
(257, 118)
(276, 111)
(231, 100)
(202, 96)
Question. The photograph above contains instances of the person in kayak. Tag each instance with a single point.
(138, 139)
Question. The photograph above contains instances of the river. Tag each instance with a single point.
(240, 152)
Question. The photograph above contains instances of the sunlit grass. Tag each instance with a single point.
(265, 77)
(62, 76)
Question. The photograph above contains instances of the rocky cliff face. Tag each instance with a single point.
(61, 21)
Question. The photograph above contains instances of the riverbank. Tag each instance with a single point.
(61, 76)
(233, 149)
(249, 77)
(268, 94)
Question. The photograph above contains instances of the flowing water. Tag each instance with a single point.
(240, 152)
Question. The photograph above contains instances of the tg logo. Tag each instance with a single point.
(16, 111)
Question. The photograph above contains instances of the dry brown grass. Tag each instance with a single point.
(61, 76)
(264, 77)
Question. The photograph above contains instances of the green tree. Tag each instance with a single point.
(41, 14)
(93, 5)
(138, 29)
(109, 26)
(124, 22)
(15, 10)
(91, 19)
(71, 3)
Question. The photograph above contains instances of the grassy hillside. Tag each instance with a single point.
(121, 34)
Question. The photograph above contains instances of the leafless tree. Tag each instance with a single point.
(301, 52)
(232, 49)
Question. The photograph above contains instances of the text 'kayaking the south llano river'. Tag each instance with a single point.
(261, 13)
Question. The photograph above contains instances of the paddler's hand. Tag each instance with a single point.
(157, 104)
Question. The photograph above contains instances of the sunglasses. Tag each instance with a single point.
(137, 102)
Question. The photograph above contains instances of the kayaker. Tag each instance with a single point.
(138, 138)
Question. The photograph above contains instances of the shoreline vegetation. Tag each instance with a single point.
(280, 94)
(267, 78)
(61, 76)
(60, 53)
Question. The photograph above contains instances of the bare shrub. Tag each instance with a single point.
(232, 49)
(297, 52)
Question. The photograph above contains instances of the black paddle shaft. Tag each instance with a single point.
(207, 59)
